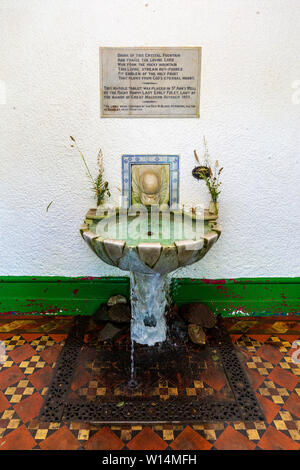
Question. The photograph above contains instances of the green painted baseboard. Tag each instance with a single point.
(82, 295)
(58, 295)
(243, 296)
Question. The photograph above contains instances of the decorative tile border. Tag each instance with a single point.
(129, 160)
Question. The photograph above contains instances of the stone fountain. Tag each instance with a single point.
(150, 237)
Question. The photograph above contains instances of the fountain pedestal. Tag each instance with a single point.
(148, 304)
(188, 238)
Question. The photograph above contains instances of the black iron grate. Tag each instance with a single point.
(238, 405)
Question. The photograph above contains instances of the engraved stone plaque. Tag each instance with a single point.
(150, 82)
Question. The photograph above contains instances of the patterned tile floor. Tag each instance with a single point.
(33, 345)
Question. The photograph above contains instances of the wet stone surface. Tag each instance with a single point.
(167, 371)
(101, 315)
(199, 314)
(196, 334)
(119, 313)
(116, 299)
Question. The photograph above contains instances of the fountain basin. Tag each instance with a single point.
(153, 252)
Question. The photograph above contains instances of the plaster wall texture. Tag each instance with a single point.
(250, 115)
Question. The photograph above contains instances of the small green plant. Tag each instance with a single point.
(205, 172)
(99, 187)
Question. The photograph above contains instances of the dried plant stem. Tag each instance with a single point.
(99, 187)
(212, 179)
(83, 159)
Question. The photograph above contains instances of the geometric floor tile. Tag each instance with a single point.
(265, 346)
(214, 379)
(30, 365)
(252, 431)
(29, 407)
(51, 354)
(189, 439)
(270, 408)
(255, 378)
(270, 353)
(276, 440)
(293, 405)
(42, 377)
(104, 439)
(21, 353)
(4, 403)
(271, 390)
(10, 376)
(63, 439)
(231, 439)
(16, 392)
(169, 378)
(284, 378)
(19, 439)
(147, 440)
(259, 338)
(260, 365)
(29, 337)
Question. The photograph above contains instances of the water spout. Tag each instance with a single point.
(148, 303)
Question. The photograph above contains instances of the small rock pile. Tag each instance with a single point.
(196, 317)
(191, 321)
(116, 316)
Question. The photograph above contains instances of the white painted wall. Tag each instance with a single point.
(250, 114)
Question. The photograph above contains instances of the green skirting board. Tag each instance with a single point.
(83, 295)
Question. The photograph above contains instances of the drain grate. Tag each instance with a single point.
(176, 381)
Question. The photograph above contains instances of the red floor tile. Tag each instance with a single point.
(234, 338)
(10, 376)
(21, 353)
(147, 440)
(51, 354)
(231, 439)
(284, 378)
(58, 338)
(42, 377)
(4, 403)
(62, 439)
(20, 439)
(31, 336)
(104, 439)
(72, 396)
(293, 405)
(80, 378)
(255, 378)
(4, 336)
(29, 408)
(276, 440)
(269, 408)
(270, 353)
(214, 378)
(189, 439)
(290, 338)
